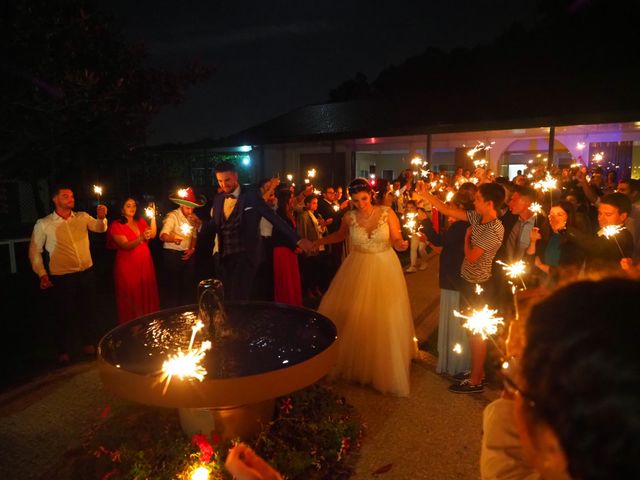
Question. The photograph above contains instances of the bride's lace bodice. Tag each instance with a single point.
(372, 237)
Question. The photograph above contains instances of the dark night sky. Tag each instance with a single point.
(272, 57)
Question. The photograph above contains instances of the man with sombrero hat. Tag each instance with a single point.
(179, 234)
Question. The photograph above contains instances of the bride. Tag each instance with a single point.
(368, 299)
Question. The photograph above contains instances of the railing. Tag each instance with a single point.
(12, 251)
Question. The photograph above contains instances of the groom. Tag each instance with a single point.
(236, 214)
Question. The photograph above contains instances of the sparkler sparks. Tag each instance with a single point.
(289, 177)
(97, 190)
(610, 231)
(186, 364)
(548, 184)
(336, 208)
(535, 208)
(311, 173)
(515, 269)
(479, 289)
(200, 473)
(150, 212)
(411, 223)
(182, 193)
(481, 322)
(457, 348)
(185, 228)
(449, 196)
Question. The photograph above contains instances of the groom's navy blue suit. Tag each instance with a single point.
(239, 239)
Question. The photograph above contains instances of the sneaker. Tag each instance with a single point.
(411, 269)
(423, 266)
(466, 386)
(460, 376)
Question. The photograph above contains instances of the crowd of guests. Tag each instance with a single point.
(272, 243)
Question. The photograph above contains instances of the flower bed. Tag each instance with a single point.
(314, 435)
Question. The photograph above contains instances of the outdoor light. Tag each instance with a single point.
(580, 145)
(246, 148)
(246, 160)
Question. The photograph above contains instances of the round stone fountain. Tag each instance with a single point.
(259, 351)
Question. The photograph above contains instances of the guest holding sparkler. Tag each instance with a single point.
(64, 235)
(631, 188)
(313, 266)
(368, 299)
(450, 245)
(286, 272)
(554, 252)
(179, 234)
(136, 288)
(417, 245)
(575, 389)
(482, 240)
(613, 241)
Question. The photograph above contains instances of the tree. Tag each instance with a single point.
(77, 96)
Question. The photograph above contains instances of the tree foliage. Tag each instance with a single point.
(76, 94)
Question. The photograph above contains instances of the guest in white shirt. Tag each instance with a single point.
(179, 234)
(64, 235)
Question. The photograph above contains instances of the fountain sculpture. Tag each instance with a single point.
(259, 351)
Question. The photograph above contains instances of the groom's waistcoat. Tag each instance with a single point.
(230, 232)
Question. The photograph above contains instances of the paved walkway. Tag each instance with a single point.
(430, 435)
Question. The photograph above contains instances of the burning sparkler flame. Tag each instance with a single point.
(411, 223)
(514, 270)
(186, 364)
(200, 473)
(311, 173)
(535, 208)
(289, 177)
(185, 228)
(449, 196)
(182, 193)
(481, 322)
(611, 230)
(97, 190)
(549, 183)
(479, 289)
(149, 212)
(457, 348)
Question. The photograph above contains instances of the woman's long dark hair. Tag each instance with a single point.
(284, 196)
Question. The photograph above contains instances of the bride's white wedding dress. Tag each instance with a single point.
(369, 303)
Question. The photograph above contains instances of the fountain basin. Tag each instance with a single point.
(267, 350)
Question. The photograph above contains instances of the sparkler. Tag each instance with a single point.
(150, 212)
(479, 289)
(416, 161)
(200, 473)
(514, 270)
(536, 209)
(186, 364)
(336, 208)
(449, 196)
(182, 193)
(411, 223)
(481, 322)
(98, 191)
(311, 173)
(185, 228)
(457, 348)
(289, 177)
(610, 231)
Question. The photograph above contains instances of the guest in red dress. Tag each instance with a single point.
(286, 273)
(133, 271)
